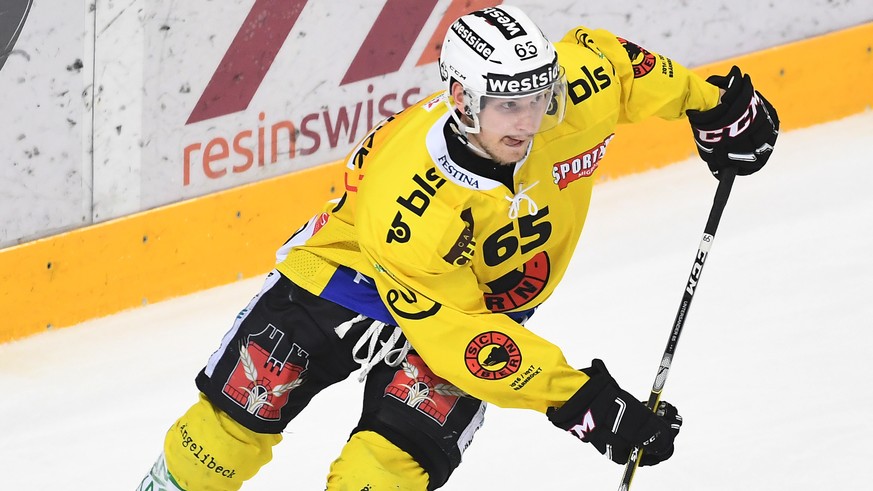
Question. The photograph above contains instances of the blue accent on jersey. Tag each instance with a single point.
(357, 292)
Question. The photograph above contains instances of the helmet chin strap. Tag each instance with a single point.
(459, 129)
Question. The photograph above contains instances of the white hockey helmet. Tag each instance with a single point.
(499, 53)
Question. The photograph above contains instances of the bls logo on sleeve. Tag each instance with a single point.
(492, 355)
(266, 372)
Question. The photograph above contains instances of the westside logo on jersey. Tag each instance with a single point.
(582, 165)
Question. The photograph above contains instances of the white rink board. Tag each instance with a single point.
(45, 180)
(147, 63)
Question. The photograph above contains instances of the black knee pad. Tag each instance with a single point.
(422, 414)
(281, 351)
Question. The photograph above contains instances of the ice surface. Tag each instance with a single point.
(771, 374)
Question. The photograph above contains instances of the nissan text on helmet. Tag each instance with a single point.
(499, 56)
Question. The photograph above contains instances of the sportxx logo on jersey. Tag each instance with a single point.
(492, 355)
(582, 165)
(416, 385)
(389, 42)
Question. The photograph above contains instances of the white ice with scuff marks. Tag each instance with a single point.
(771, 374)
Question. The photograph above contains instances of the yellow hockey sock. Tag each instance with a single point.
(206, 450)
(370, 462)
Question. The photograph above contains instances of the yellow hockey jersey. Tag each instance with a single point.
(458, 260)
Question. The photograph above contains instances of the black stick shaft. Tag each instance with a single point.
(718, 204)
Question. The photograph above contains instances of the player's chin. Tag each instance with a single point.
(507, 158)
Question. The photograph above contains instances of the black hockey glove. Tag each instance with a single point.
(740, 131)
(604, 415)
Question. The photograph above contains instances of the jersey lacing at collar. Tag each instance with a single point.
(392, 355)
(521, 195)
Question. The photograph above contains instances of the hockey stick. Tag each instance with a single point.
(718, 203)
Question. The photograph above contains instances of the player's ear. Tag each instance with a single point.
(457, 94)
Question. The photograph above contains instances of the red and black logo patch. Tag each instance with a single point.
(267, 371)
(642, 60)
(517, 288)
(582, 165)
(492, 356)
(418, 387)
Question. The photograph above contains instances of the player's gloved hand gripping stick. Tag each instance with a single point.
(721, 196)
(735, 137)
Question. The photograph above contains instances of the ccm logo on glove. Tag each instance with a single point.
(740, 131)
(735, 128)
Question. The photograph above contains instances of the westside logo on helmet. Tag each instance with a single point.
(505, 23)
(480, 46)
(523, 82)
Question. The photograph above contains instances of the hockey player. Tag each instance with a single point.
(459, 217)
